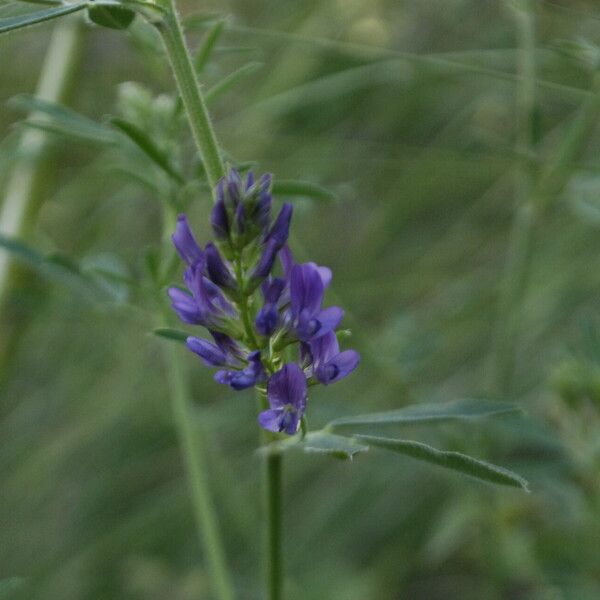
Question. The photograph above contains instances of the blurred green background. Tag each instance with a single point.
(409, 113)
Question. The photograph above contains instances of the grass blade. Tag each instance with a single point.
(232, 79)
(148, 147)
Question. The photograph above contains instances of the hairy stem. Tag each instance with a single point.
(182, 66)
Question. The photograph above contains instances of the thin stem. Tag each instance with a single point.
(23, 186)
(535, 194)
(195, 464)
(521, 237)
(173, 38)
(243, 305)
(273, 472)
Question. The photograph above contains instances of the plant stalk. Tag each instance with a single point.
(518, 262)
(23, 186)
(187, 82)
(273, 475)
(182, 66)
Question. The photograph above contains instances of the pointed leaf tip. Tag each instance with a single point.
(450, 460)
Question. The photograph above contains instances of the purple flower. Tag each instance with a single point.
(220, 221)
(242, 211)
(240, 380)
(185, 243)
(267, 318)
(281, 227)
(185, 306)
(328, 363)
(214, 310)
(286, 391)
(264, 265)
(218, 271)
(306, 297)
(226, 351)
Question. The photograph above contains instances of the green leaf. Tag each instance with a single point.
(32, 18)
(113, 17)
(208, 43)
(322, 442)
(7, 586)
(55, 267)
(459, 410)
(171, 334)
(291, 187)
(449, 460)
(148, 147)
(60, 119)
(232, 79)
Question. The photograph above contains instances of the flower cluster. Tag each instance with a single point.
(256, 318)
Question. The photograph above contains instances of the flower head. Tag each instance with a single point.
(249, 336)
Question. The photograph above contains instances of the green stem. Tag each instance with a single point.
(273, 471)
(534, 194)
(173, 38)
(195, 464)
(517, 267)
(24, 188)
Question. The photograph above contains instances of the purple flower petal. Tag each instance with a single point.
(264, 265)
(287, 387)
(185, 243)
(287, 261)
(220, 221)
(281, 228)
(185, 306)
(324, 348)
(306, 290)
(217, 270)
(328, 319)
(338, 367)
(271, 419)
(211, 355)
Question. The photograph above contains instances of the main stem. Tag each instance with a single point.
(187, 82)
(273, 471)
(171, 32)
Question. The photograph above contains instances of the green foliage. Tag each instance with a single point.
(171, 334)
(113, 17)
(458, 410)
(449, 460)
(33, 18)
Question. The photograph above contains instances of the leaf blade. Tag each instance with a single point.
(293, 187)
(33, 18)
(459, 410)
(208, 43)
(171, 334)
(147, 146)
(451, 460)
(322, 442)
(230, 80)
